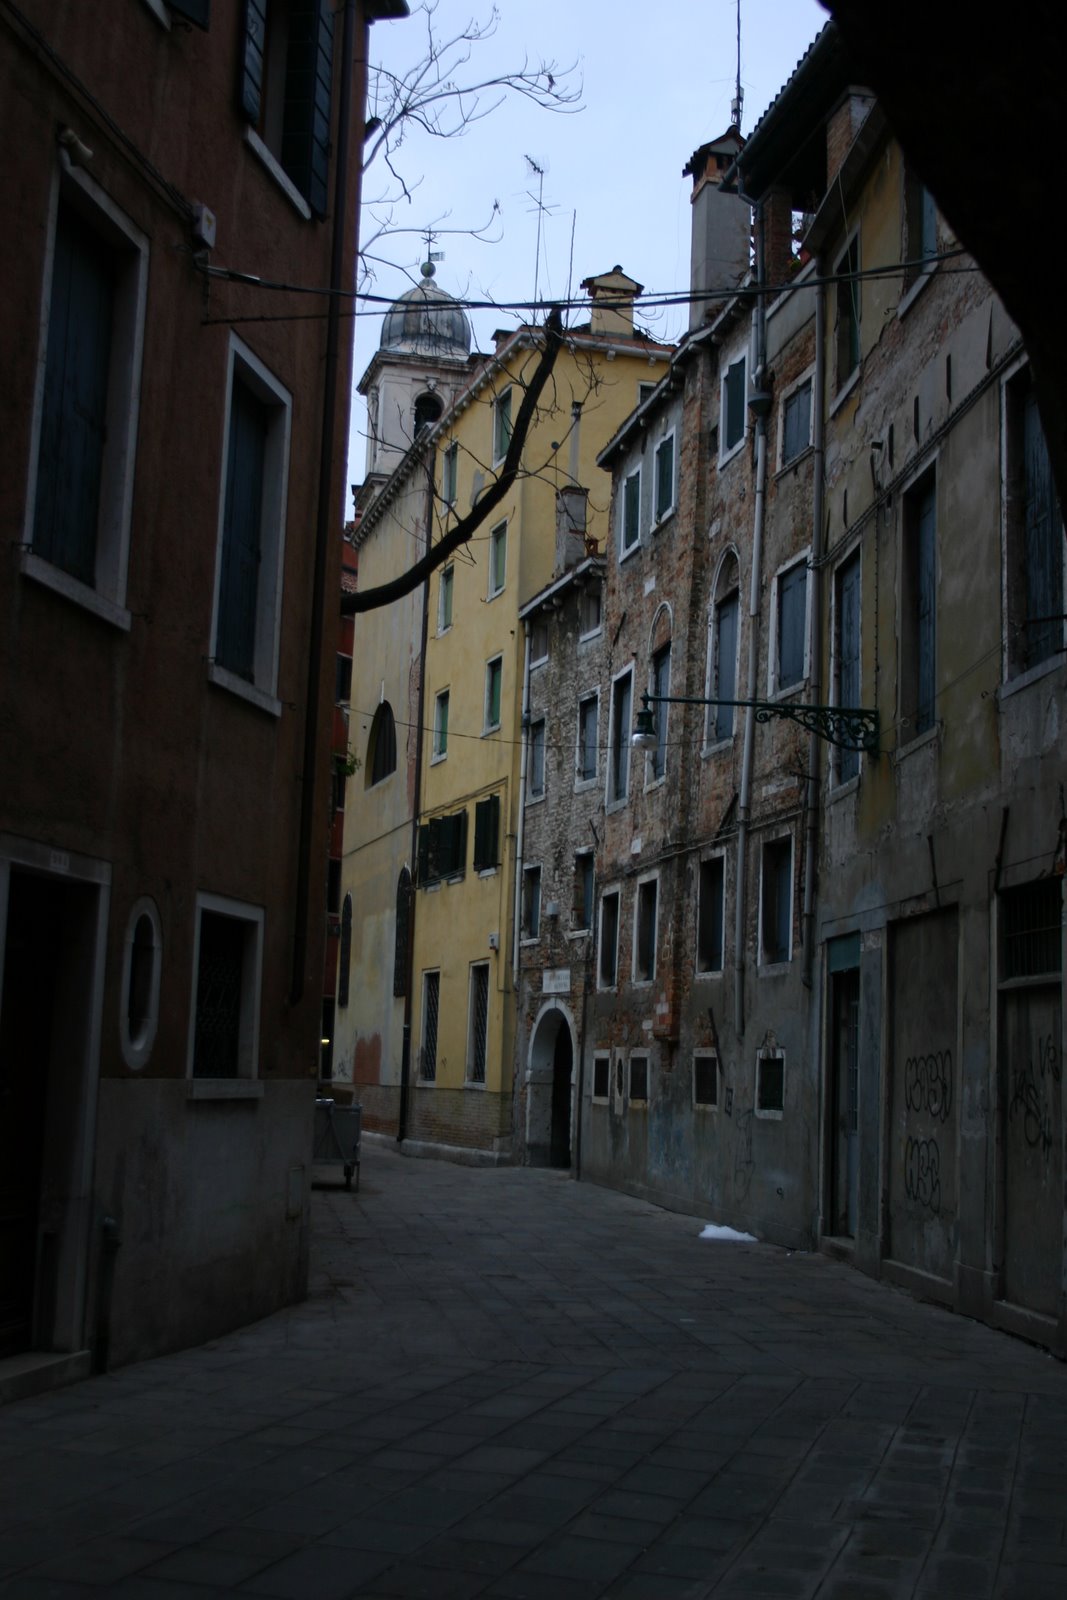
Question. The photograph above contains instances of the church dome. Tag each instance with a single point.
(426, 321)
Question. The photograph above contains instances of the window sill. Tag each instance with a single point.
(611, 806)
(529, 939)
(594, 633)
(536, 799)
(224, 1089)
(642, 983)
(912, 293)
(734, 451)
(663, 518)
(278, 173)
(1032, 675)
(845, 390)
(579, 933)
(494, 594)
(438, 757)
(774, 969)
(920, 742)
(581, 785)
(224, 679)
(702, 1106)
(794, 461)
(625, 555)
(778, 696)
(655, 783)
(770, 1116)
(60, 582)
(474, 1083)
(717, 748)
(638, 1105)
(486, 872)
(487, 732)
(708, 972)
(542, 661)
(1037, 980)
(842, 790)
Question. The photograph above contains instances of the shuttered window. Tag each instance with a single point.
(631, 511)
(442, 847)
(792, 620)
(286, 79)
(796, 423)
(487, 833)
(732, 425)
(235, 646)
(74, 410)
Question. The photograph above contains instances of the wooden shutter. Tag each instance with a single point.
(250, 54)
(424, 853)
(487, 833)
(235, 640)
(305, 152)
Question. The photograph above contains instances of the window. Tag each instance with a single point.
(440, 726)
(776, 902)
(664, 477)
(601, 1077)
(796, 422)
(645, 930)
(588, 724)
(711, 914)
(847, 309)
(442, 847)
(381, 745)
(400, 941)
(333, 886)
(638, 1080)
(608, 943)
(344, 953)
(450, 475)
(732, 406)
(487, 833)
(621, 733)
(630, 532)
(538, 642)
(1034, 542)
(478, 1022)
(1031, 919)
(248, 591)
(285, 82)
(142, 964)
(589, 610)
(770, 1084)
(340, 783)
(705, 1080)
(501, 427)
(431, 1014)
(498, 558)
(342, 680)
(535, 774)
(428, 410)
(644, 390)
(227, 977)
(86, 405)
(494, 673)
(847, 690)
(583, 890)
(918, 622)
(722, 651)
(660, 686)
(920, 229)
(531, 902)
(791, 627)
(444, 598)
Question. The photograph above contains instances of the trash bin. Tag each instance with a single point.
(337, 1136)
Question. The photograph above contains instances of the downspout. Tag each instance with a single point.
(759, 404)
(520, 827)
(326, 511)
(416, 808)
(811, 799)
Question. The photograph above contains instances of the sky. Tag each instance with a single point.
(656, 82)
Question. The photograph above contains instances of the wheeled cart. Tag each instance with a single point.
(337, 1137)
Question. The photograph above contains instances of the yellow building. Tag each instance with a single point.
(426, 1035)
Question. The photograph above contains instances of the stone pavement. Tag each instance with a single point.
(509, 1385)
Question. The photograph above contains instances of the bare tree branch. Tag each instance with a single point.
(384, 594)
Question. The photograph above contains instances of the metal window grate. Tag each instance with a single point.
(479, 1022)
(1032, 939)
(432, 1007)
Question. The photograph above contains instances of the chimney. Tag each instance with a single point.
(613, 295)
(842, 128)
(778, 235)
(571, 503)
(722, 226)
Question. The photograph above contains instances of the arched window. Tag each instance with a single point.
(400, 953)
(381, 746)
(344, 956)
(427, 410)
(723, 629)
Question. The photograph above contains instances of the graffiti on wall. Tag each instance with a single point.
(922, 1173)
(928, 1094)
(1034, 1096)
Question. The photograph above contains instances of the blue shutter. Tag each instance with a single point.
(235, 639)
(250, 55)
(74, 410)
(305, 152)
(792, 595)
(725, 665)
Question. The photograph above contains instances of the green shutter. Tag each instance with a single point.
(424, 854)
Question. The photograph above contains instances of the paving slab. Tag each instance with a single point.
(508, 1385)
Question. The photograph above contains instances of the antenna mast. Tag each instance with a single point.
(739, 94)
(540, 204)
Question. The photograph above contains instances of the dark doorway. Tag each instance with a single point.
(562, 1063)
(27, 1009)
(844, 1066)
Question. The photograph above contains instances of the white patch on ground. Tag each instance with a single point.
(715, 1230)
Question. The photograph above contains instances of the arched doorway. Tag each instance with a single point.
(550, 1097)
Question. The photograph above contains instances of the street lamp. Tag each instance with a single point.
(849, 727)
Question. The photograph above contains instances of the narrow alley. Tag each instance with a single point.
(506, 1384)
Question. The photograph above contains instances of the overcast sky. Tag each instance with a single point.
(657, 81)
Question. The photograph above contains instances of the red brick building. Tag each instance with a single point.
(172, 495)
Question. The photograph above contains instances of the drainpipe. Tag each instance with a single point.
(759, 404)
(520, 831)
(416, 807)
(327, 512)
(811, 799)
